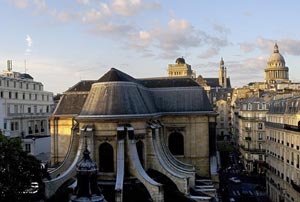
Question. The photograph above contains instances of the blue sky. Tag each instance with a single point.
(67, 41)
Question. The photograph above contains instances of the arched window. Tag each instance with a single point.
(140, 150)
(176, 143)
(106, 158)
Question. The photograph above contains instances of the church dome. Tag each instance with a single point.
(276, 59)
(180, 60)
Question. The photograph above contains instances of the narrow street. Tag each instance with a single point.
(236, 185)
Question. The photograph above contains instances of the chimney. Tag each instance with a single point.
(9, 65)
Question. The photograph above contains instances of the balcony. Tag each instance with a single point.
(247, 129)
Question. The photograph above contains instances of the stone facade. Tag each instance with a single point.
(282, 149)
(25, 108)
(180, 69)
(252, 137)
(172, 131)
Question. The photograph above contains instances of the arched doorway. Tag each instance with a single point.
(140, 150)
(106, 158)
(176, 143)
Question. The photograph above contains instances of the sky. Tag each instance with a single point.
(65, 41)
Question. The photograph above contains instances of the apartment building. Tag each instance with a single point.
(252, 137)
(283, 150)
(25, 108)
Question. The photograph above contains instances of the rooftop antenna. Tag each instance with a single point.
(25, 66)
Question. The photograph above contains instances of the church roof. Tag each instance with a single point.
(214, 82)
(276, 59)
(84, 85)
(70, 104)
(168, 82)
(118, 94)
(116, 75)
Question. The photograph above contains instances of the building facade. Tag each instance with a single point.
(283, 150)
(25, 109)
(252, 135)
(134, 126)
(180, 69)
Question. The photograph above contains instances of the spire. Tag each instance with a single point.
(276, 50)
(222, 61)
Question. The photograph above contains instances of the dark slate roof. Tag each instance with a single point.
(25, 76)
(181, 99)
(84, 85)
(214, 82)
(118, 99)
(168, 82)
(117, 93)
(116, 75)
(289, 105)
(70, 104)
(221, 94)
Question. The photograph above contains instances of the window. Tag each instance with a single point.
(0, 82)
(106, 158)
(260, 126)
(28, 148)
(35, 96)
(260, 157)
(29, 96)
(176, 143)
(33, 86)
(5, 125)
(23, 96)
(16, 109)
(16, 95)
(260, 146)
(260, 136)
(7, 83)
(27, 86)
(1, 94)
(12, 128)
(249, 106)
(9, 95)
(29, 109)
(140, 150)
(21, 85)
(15, 84)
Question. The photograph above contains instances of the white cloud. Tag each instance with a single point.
(20, 3)
(29, 40)
(220, 28)
(286, 45)
(83, 2)
(209, 53)
(29, 43)
(40, 5)
(132, 7)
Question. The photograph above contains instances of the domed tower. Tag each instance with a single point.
(222, 74)
(276, 71)
(180, 69)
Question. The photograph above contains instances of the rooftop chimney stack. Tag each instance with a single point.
(9, 65)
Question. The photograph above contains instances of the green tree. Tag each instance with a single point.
(17, 170)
